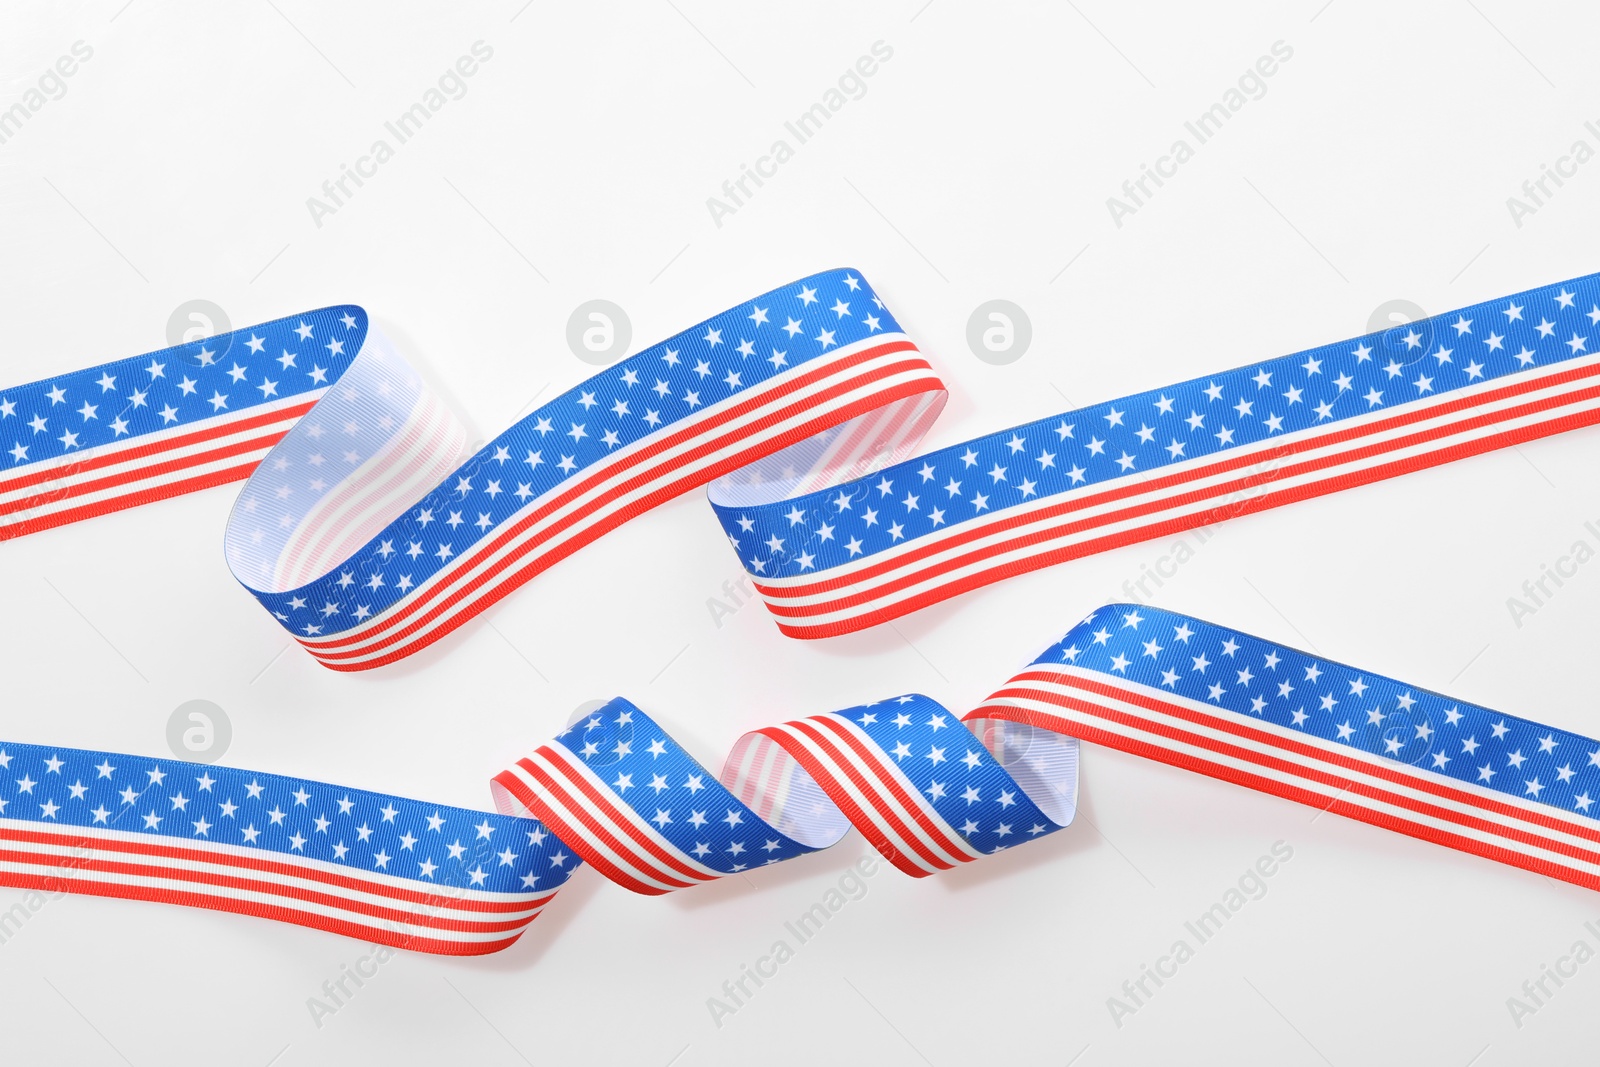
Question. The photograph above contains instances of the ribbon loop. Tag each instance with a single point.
(929, 791)
(364, 531)
(645, 814)
(367, 536)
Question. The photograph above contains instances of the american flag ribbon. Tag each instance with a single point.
(837, 559)
(368, 534)
(930, 790)
(365, 528)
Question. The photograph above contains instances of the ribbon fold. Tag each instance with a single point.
(364, 529)
(930, 790)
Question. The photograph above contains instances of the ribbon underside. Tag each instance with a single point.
(368, 535)
(929, 790)
(364, 529)
(853, 555)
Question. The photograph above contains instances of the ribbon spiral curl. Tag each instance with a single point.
(929, 790)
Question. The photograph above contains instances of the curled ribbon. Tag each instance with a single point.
(368, 536)
(365, 531)
(931, 791)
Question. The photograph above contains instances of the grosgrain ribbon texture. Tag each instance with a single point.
(368, 536)
(929, 790)
(836, 560)
(364, 529)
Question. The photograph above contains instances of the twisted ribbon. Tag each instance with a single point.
(368, 536)
(928, 790)
(364, 530)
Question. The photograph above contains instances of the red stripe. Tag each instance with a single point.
(575, 836)
(358, 498)
(825, 777)
(888, 425)
(1226, 462)
(874, 792)
(598, 528)
(146, 472)
(700, 431)
(133, 450)
(1428, 783)
(1176, 524)
(913, 804)
(751, 789)
(1328, 778)
(164, 491)
(648, 846)
(251, 863)
(1338, 806)
(377, 935)
(223, 882)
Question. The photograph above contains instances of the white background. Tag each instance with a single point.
(1376, 167)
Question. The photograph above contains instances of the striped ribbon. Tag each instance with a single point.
(834, 560)
(366, 531)
(929, 790)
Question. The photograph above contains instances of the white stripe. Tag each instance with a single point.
(598, 498)
(57, 864)
(157, 438)
(837, 755)
(866, 804)
(596, 503)
(1270, 445)
(1201, 508)
(224, 853)
(842, 462)
(277, 902)
(142, 485)
(134, 464)
(1202, 752)
(632, 817)
(888, 766)
(634, 861)
(425, 449)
